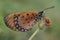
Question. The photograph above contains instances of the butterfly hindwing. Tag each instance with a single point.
(21, 21)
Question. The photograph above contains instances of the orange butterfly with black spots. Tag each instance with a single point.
(23, 21)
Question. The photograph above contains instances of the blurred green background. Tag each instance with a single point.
(7, 6)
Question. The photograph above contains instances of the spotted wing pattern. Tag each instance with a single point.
(21, 21)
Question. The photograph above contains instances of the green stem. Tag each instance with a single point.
(34, 34)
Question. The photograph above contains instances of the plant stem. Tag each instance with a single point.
(34, 34)
(39, 25)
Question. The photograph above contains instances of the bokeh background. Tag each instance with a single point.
(7, 6)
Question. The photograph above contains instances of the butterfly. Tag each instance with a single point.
(23, 21)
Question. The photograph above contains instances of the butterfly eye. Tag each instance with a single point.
(40, 14)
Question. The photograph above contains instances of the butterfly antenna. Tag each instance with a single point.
(49, 8)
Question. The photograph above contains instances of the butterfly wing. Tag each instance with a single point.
(21, 21)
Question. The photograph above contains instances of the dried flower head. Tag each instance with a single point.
(46, 21)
